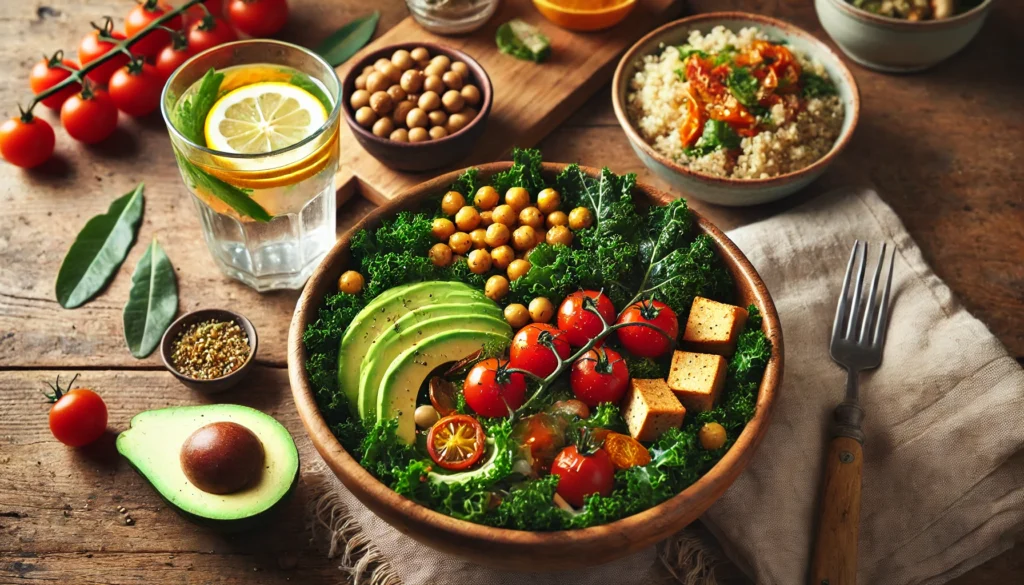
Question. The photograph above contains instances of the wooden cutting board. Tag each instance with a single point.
(530, 99)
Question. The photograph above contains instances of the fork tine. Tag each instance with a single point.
(842, 307)
(866, 329)
(883, 309)
(851, 327)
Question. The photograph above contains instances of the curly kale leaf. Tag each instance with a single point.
(646, 368)
(609, 197)
(552, 274)
(525, 172)
(321, 339)
(530, 506)
(384, 454)
(467, 183)
(390, 269)
(606, 416)
(686, 273)
(813, 85)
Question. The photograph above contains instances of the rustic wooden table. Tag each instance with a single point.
(942, 147)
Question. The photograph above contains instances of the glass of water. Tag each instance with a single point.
(254, 127)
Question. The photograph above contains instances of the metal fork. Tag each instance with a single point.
(858, 336)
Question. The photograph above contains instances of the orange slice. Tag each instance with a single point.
(585, 14)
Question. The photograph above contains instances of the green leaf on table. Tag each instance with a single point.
(347, 40)
(152, 302)
(191, 113)
(235, 197)
(99, 250)
(523, 41)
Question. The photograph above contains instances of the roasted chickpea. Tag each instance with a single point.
(368, 70)
(452, 80)
(420, 54)
(467, 218)
(496, 287)
(434, 69)
(486, 197)
(412, 81)
(505, 214)
(442, 60)
(712, 436)
(359, 99)
(383, 127)
(401, 112)
(548, 200)
(390, 71)
(460, 68)
(559, 235)
(429, 101)
(425, 416)
(460, 242)
(580, 218)
(479, 261)
(437, 118)
(557, 218)
(361, 82)
(434, 83)
(541, 310)
(381, 103)
(418, 135)
(438, 132)
(452, 202)
(497, 235)
(517, 316)
(485, 218)
(416, 118)
(440, 255)
(518, 198)
(442, 228)
(453, 101)
(457, 122)
(531, 216)
(351, 282)
(479, 238)
(524, 238)
(397, 93)
(402, 59)
(365, 117)
(502, 256)
(470, 94)
(399, 135)
(517, 268)
(377, 81)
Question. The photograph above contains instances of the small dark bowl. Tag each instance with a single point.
(432, 154)
(216, 384)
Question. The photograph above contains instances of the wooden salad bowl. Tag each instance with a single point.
(516, 549)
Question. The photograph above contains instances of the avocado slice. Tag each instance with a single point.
(382, 312)
(410, 329)
(403, 378)
(153, 446)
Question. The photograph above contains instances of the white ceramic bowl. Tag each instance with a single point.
(719, 190)
(895, 45)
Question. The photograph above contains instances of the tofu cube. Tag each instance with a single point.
(697, 379)
(714, 327)
(650, 409)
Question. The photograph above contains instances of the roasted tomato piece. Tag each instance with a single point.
(625, 451)
(543, 435)
(456, 442)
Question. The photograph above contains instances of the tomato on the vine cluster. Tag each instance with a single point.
(78, 417)
(529, 350)
(258, 18)
(642, 340)
(26, 144)
(214, 7)
(600, 375)
(135, 89)
(491, 390)
(48, 73)
(171, 57)
(140, 17)
(96, 44)
(581, 472)
(580, 324)
(209, 32)
(89, 116)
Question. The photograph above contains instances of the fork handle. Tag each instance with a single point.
(835, 549)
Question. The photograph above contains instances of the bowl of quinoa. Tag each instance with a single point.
(734, 108)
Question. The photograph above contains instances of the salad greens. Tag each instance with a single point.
(717, 135)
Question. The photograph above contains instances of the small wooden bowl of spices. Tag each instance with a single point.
(209, 350)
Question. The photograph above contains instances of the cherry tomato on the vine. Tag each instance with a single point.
(215, 7)
(48, 73)
(135, 89)
(26, 144)
(258, 18)
(529, 350)
(209, 32)
(491, 390)
(599, 376)
(96, 44)
(580, 324)
(641, 340)
(171, 57)
(583, 473)
(456, 442)
(140, 17)
(89, 116)
(78, 416)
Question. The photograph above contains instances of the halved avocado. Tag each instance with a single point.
(153, 446)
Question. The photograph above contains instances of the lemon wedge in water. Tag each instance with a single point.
(263, 117)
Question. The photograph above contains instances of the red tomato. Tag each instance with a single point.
(491, 391)
(140, 17)
(170, 58)
(581, 474)
(89, 116)
(641, 340)
(208, 33)
(599, 376)
(456, 442)
(48, 73)
(26, 144)
(78, 417)
(530, 351)
(136, 90)
(258, 18)
(215, 7)
(96, 44)
(544, 435)
(580, 324)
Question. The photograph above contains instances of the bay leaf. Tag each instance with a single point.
(99, 250)
(347, 40)
(152, 302)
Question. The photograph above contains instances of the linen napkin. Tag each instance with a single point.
(944, 454)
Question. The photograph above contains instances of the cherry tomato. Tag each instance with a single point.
(78, 416)
(625, 451)
(571, 407)
(96, 44)
(544, 435)
(26, 144)
(89, 116)
(216, 8)
(456, 442)
(135, 89)
(171, 57)
(258, 18)
(641, 340)
(580, 324)
(48, 73)
(581, 474)
(599, 376)
(491, 390)
(140, 17)
(208, 33)
(530, 351)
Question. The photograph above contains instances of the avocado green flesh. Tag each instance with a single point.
(403, 378)
(153, 446)
(381, 313)
(407, 333)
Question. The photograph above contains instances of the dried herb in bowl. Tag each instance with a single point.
(210, 349)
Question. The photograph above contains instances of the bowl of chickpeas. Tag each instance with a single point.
(417, 106)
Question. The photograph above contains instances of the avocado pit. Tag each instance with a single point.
(222, 458)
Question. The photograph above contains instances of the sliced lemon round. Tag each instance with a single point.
(262, 118)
